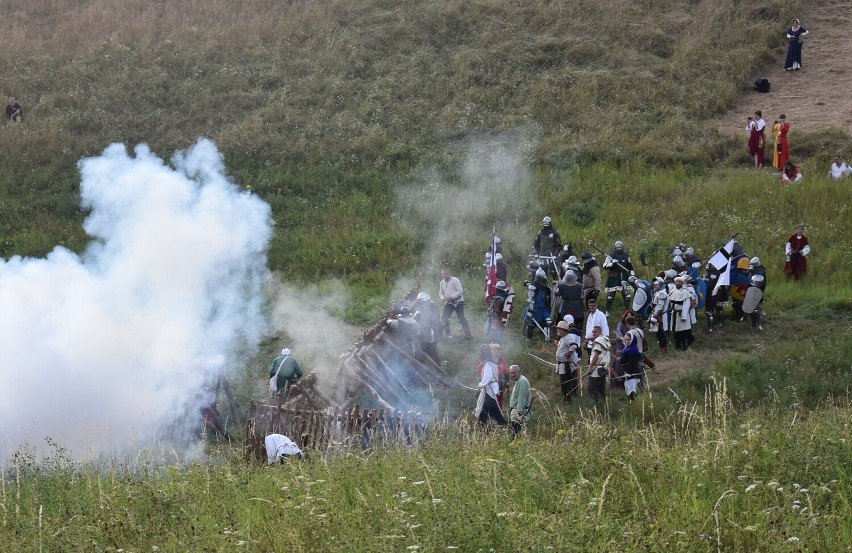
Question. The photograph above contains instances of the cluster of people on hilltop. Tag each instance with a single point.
(788, 171)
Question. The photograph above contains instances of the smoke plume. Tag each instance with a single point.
(102, 351)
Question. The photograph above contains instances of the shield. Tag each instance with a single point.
(752, 299)
(701, 288)
(639, 300)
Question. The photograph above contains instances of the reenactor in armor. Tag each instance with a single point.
(571, 293)
(591, 278)
(567, 252)
(620, 270)
(547, 241)
(714, 307)
(739, 279)
(571, 265)
(756, 268)
(678, 265)
(642, 296)
(407, 332)
(658, 323)
(429, 317)
(541, 299)
(693, 263)
(752, 304)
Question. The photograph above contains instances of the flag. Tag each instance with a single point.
(721, 261)
(491, 272)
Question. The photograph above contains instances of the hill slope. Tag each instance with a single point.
(816, 97)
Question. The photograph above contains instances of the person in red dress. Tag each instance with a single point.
(797, 251)
(756, 140)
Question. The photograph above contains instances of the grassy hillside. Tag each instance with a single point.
(319, 105)
(389, 137)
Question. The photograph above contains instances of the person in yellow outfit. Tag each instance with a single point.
(776, 131)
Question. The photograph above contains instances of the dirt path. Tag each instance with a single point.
(817, 96)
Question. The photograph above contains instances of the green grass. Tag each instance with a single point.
(388, 139)
(707, 478)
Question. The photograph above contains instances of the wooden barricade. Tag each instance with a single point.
(322, 430)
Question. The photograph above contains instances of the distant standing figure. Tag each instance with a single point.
(756, 140)
(452, 294)
(794, 46)
(14, 112)
(776, 148)
(839, 169)
(791, 173)
(285, 369)
(797, 250)
(782, 148)
(520, 400)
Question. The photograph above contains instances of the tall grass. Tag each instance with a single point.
(706, 479)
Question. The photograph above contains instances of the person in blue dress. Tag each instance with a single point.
(794, 46)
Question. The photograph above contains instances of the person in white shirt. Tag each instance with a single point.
(839, 169)
(595, 318)
(452, 294)
(279, 446)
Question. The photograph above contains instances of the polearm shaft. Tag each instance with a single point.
(614, 262)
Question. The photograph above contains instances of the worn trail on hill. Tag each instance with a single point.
(816, 97)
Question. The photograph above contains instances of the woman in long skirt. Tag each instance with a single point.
(794, 46)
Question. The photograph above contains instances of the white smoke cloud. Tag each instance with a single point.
(101, 351)
(309, 316)
(490, 187)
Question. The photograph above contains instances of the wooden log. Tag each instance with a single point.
(376, 378)
(235, 412)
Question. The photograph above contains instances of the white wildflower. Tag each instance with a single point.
(793, 539)
(750, 488)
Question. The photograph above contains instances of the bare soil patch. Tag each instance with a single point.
(817, 96)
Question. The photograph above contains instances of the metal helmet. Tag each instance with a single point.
(570, 278)
(423, 296)
(404, 311)
(690, 251)
(678, 261)
(757, 280)
(498, 257)
(677, 251)
(540, 274)
(497, 240)
(619, 245)
(572, 260)
(671, 273)
(533, 266)
(501, 285)
(547, 221)
(563, 324)
(754, 262)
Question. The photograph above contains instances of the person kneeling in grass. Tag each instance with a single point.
(791, 173)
